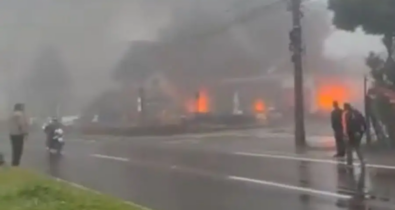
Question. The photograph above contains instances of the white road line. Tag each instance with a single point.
(260, 135)
(80, 140)
(314, 160)
(182, 141)
(110, 157)
(211, 135)
(176, 141)
(242, 179)
(290, 187)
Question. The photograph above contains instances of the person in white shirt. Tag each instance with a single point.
(18, 129)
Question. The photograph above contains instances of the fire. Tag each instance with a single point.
(326, 94)
(202, 102)
(259, 106)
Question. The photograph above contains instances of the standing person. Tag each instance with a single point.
(1, 159)
(336, 121)
(18, 130)
(353, 128)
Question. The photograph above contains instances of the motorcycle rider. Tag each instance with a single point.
(54, 131)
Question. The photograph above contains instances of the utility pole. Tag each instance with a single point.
(296, 47)
(367, 109)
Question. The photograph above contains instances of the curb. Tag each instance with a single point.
(75, 185)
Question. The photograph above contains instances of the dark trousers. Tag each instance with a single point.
(340, 144)
(354, 144)
(17, 142)
(2, 161)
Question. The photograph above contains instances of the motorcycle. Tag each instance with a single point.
(57, 142)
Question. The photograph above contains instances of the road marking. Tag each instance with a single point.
(314, 160)
(182, 141)
(213, 135)
(289, 187)
(175, 141)
(110, 157)
(315, 139)
(89, 141)
(127, 139)
(204, 173)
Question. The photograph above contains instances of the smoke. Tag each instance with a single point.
(343, 44)
(192, 43)
(220, 39)
(205, 43)
(90, 36)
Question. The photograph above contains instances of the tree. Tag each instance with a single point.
(381, 108)
(376, 64)
(374, 17)
(48, 84)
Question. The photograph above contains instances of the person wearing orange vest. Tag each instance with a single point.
(353, 126)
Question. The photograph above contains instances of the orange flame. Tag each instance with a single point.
(202, 102)
(259, 106)
(199, 104)
(328, 93)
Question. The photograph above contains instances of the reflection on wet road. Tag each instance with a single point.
(200, 174)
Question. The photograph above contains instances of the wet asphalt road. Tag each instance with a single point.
(227, 171)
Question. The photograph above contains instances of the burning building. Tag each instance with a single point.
(202, 62)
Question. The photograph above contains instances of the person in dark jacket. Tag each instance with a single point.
(336, 121)
(50, 131)
(354, 127)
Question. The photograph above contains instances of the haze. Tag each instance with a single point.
(91, 37)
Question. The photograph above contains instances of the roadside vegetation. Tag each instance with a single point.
(374, 18)
(25, 190)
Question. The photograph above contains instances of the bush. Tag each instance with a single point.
(25, 190)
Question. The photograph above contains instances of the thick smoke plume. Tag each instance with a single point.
(207, 43)
(186, 43)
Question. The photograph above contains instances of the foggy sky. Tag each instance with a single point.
(92, 35)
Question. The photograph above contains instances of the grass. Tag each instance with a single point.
(25, 190)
